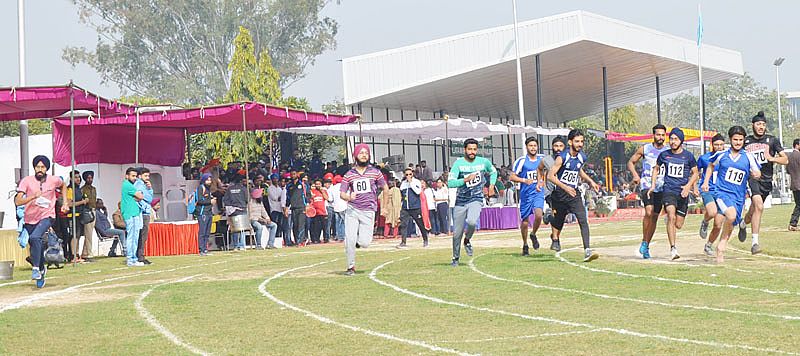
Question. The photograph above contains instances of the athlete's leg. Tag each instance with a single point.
(459, 220)
(671, 221)
(729, 219)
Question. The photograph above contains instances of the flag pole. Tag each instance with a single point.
(700, 77)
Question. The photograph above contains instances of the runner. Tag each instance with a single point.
(467, 175)
(360, 189)
(567, 170)
(653, 202)
(531, 193)
(731, 167)
(767, 150)
(709, 200)
(557, 145)
(681, 175)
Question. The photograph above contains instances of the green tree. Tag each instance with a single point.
(181, 49)
(35, 127)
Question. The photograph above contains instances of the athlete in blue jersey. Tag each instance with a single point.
(717, 145)
(734, 167)
(680, 176)
(652, 203)
(566, 172)
(531, 192)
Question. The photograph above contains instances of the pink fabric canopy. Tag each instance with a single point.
(47, 102)
(117, 144)
(226, 117)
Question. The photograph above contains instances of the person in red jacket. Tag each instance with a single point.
(319, 195)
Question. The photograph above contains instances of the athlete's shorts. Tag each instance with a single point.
(681, 204)
(760, 187)
(529, 202)
(708, 197)
(725, 201)
(656, 199)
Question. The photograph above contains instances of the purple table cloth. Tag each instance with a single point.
(499, 218)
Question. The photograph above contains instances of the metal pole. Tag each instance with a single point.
(539, 115)
(658, 99)
(780, 122)
(702, 99)
(419, 150)
(519, 72)
(246, 171)
(388, 141)
(72, 158)
(23, 124)
(605, 108)
(137, 138)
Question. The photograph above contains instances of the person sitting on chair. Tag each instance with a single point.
(104, 229)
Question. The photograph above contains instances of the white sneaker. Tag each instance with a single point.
(674, 253)
(137, 264)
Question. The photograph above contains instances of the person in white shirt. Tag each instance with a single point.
(339, 207)
(276, 197)
(441, 195)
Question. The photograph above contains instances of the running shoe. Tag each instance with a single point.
(742, 231)
(454, 263)
(589, 255)
(535, 241)
(525, 250)
(703, 229)
(646, 254)
(468, 248)
(673, 252)
(555, 245)
(643, 248)
(756, 249)
(401, 245)
(425, 243)
(36, 274)
(709, 250)
(40, 282)
(350, 271)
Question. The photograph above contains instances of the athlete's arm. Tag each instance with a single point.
(489, 168)
(656, 169)
(551, 176)
(540, 174)
(632, 164)
(707, 178)
(779, 158)
(692, 180)
(452, 177)
(589, 180)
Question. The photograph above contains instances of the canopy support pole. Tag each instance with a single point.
(539, 115)
(605, 108)
(72, 158)
(246, 170)
(446, 142)
(419, 150)
(137, 138)
(658, 99)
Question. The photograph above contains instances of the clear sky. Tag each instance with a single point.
(761, 31)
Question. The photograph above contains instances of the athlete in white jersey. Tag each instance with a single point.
(653, 202)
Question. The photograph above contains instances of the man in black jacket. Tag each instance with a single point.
(203, 212)
(235, 201)
(298, 195)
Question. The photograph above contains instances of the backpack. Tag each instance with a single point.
(191, 206)
(54, 254)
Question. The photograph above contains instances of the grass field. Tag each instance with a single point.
(297, 301)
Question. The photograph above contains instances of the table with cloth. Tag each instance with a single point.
(172, 238)
(499, 218)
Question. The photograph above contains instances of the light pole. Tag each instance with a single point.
(777, 63)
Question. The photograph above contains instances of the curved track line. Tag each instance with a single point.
(523, 336)
(626, 299)
(263, 289)
(673, 280)
(734, 249)
(374, 272)
(156, 325)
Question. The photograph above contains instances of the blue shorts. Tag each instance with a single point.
(529, 202)
(708, 197)
(726, 201)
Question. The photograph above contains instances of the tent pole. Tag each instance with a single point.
(72, 157)
(446, 141)
(246, 170)
(137, 137)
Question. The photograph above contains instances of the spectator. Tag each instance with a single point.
(343, 169)
(235, 202)
(411, 213)
(430, 205)
(330, 167)
(90, 194)
(441, 196)
(146, 188)
(38, 194)
(794, 171)
(296, 162)
(425, 173)
(315, 167)
(319, 196)
(276, 197)
(75, 231)
(297, 197)
(327, 183)
(132, 213)
(339, 207)
(390, 201)
(203, 213)
(104, 228)
(259, 219)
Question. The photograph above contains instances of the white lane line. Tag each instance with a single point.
(522, 337)
(673, 280)
(263, 289)
(626, 299)
(373, 276)
(21, 282)
(42, 296)
(734, 249)
(156, 325)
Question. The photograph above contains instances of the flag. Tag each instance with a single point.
(699, 26)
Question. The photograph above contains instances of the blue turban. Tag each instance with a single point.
(677, 132)
(43, 159)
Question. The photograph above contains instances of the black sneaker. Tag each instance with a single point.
(555, 245)
(350, 271)
(535, 241)
(525, 250)
(468, 248)
(742, 231)
(454, 263)
(357, 245)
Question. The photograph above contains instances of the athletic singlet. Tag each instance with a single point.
(733, 172)
(570, 170)
(526, 168)
(650, 157)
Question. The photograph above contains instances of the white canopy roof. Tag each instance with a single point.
(454, 128)
(474, 74)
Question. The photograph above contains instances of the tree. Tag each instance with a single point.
(35, 127)
(181, 49)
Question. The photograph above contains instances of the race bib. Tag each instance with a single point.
(661, 171)
(475, 181)
(43, 202)
(675, 170)
(533, 175)
(760, 156)
(570, 178)
(735, 176)
(362, 186)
